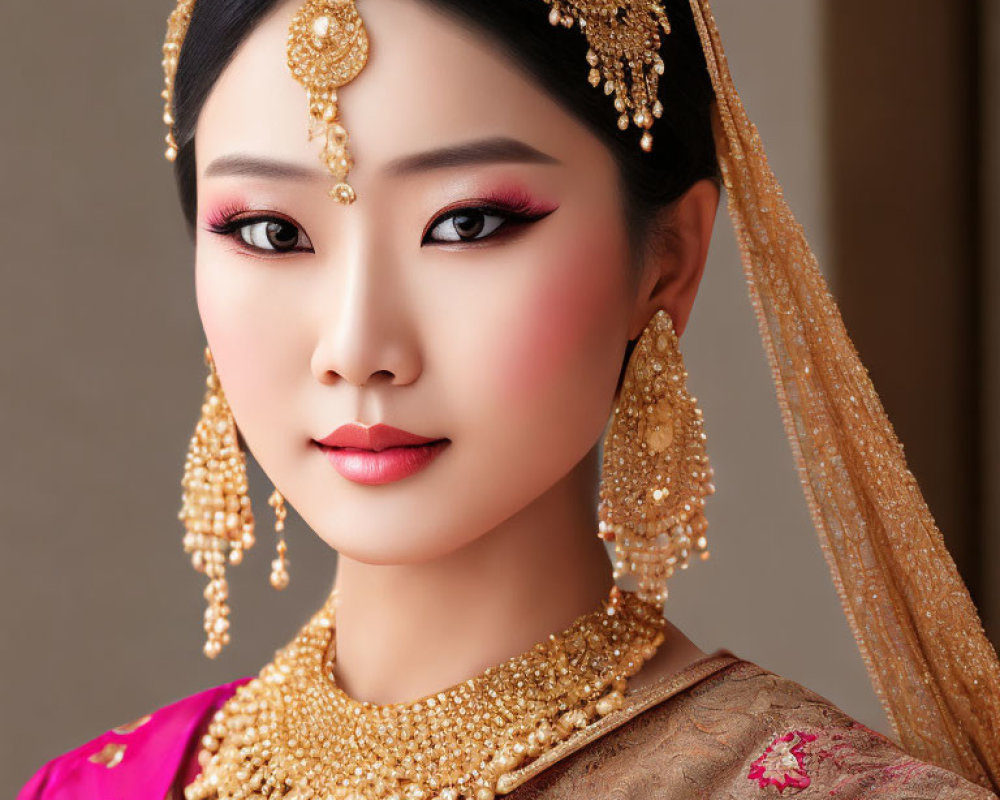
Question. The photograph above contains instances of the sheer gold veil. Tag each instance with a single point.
(923, 644)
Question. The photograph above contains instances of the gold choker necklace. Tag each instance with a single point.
(293, 734)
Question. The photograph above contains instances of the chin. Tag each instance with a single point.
(391, 549)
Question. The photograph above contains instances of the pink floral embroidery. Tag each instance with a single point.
(781, 763)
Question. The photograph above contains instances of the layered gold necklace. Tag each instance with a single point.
(292, 734)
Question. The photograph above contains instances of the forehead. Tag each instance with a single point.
(429, 81)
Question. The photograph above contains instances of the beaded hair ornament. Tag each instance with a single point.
(327, 48)
(934, 670)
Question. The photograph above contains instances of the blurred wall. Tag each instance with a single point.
(989, 216)
(909, 241)
(102, 376)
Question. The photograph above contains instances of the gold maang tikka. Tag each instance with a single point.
(655, 472)
(327, 48)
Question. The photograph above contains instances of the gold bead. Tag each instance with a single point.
(630, 50)
(215, 507)
(278, 727)
(327, 47)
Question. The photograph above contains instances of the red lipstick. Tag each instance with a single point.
(378, 454)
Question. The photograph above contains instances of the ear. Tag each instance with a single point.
(675, 256)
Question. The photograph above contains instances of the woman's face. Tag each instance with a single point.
(502, 331)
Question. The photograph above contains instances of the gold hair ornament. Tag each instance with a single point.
(622, 35)
(327, 48)
(177, 28)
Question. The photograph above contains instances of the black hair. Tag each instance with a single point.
(683, 147)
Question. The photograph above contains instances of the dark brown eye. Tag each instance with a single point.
(274, 235)
(282, 234)
(467, 225)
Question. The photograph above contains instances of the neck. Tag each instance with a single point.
(406, 631)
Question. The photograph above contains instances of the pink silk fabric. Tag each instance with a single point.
(137, 761)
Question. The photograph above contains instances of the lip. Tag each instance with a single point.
(378, 454)
(376, 437)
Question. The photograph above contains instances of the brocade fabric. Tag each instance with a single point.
(722, 728)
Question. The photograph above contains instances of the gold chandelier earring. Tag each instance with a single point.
(216, 511)
(655, 473)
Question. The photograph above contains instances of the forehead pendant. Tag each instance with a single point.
(327, 48)
(624, 57)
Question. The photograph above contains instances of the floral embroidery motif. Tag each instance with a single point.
(128, 727)
(781, 764)
(110, 755)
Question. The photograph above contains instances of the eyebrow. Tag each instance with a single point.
(495, 150)
(499, 149)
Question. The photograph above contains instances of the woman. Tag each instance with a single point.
(423, 316)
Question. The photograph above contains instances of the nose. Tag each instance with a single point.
(365, 331)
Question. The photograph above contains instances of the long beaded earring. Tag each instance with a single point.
(655, 472)
(216, 508)
(279, 567)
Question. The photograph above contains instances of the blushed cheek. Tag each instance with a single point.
(230, 332)
(566, 320)
(216, 312)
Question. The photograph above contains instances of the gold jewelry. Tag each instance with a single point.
(655, 473)
(177, 28)
(621, 36)
(216, 506)
(292, 733)
(327, 48)
(279, 567)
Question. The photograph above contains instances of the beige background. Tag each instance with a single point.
(102, 380)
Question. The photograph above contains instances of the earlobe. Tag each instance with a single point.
(676, 260)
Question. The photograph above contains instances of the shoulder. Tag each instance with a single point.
(134, 761)
(745, 732)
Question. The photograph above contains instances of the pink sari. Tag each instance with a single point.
(138, 761)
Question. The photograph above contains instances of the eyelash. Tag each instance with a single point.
(516, 209)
